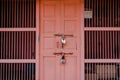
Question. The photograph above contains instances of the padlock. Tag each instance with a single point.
(63, 59)
(63, 41)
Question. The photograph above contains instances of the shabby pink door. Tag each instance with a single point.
(58, 18)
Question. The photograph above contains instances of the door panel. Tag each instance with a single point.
(70, 68)
(60, 17)
(49, 26)
(49, 68)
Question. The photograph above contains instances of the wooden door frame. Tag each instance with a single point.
(37, 40)
(82, 40)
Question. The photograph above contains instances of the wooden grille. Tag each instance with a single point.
(102, 71)
(17, 13)
(17, 45)
(102, 44)
(106, 13)
(102, 40)
(17, 71)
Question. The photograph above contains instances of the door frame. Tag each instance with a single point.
(37, 40)
(82, 40)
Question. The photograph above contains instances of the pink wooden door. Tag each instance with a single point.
(60, 17)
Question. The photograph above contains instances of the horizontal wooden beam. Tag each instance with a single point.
(102, 60)
(17, 29)
(17, 61)
(102, 29)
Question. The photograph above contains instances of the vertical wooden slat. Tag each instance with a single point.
(103, 40)
(22, 72)
(16, 54)
(93, 74)
(18, 44)
(105, 46)
(96, 43)
(25, 13)
(92, 20)
(101, 44)
(34, 12)
(115, 13)
(33, 15)
(12, 45)
(1, 71)
(30, 49)
(87, 71)
(110, 12)
(97, 12)
(22, 45)
(97, 46)
(88, 10)
(89, 43)
(4, 45)
(27, 45)
(100, 13)
(110, 45)
(25, 52)
(22, 14)
(30, 13)
(6, 21)
(15, 17)
(34, 52)
(116, 45)
(118, 12)
(92, 45)
(30, 76)
(17, 13)
(113, 45)
(6, 71)
(32, 44)
(12, 13)
(9, 50)
(8, 13)
(20, 21)
(1, 45)
(2, 13)
(11, 71)
(109, 69)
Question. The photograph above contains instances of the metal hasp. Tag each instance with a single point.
(63, 35)
(63, 60)
(63, 40)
